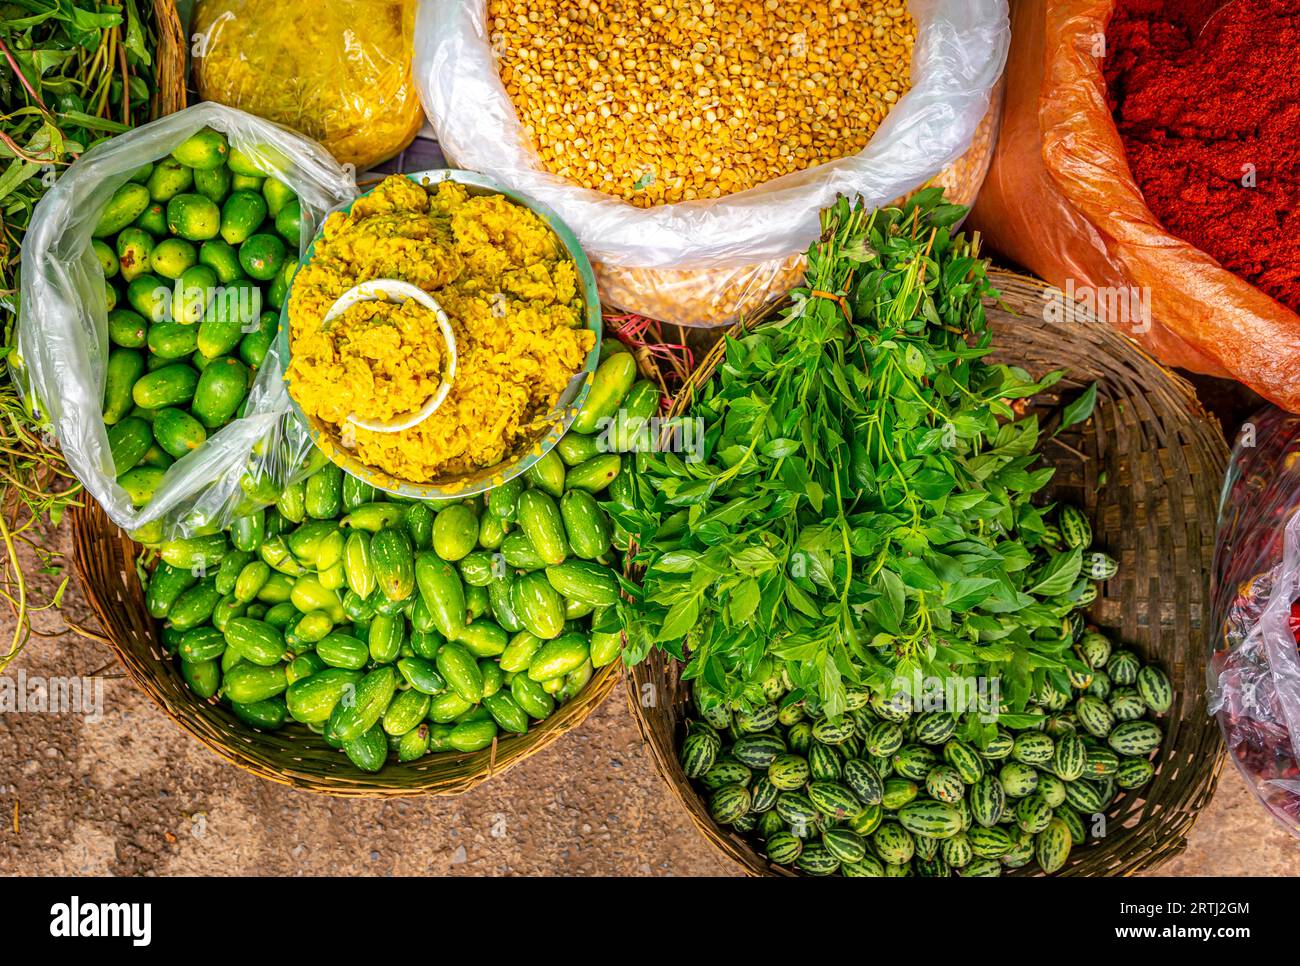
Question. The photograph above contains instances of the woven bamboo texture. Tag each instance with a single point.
(169, 84)
(1147, 470)
(104, 560)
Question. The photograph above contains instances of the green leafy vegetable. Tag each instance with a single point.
(1080, 410)
(72, 72)
(865, 507)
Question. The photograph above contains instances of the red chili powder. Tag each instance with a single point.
(1207, 104)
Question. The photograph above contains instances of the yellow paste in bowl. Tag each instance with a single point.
(511, 295)
(377, 360)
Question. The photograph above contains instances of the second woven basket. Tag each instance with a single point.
(1146, 469)
(104, 560)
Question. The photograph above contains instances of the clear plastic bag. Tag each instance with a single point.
(62, 339)
(716, 255)
(1254, 665)
(699, 297)
(339, 72)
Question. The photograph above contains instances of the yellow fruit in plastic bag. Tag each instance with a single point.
(339, 72)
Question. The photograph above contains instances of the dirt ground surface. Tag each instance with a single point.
(126, 792)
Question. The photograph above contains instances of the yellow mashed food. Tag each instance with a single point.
(378, 360)
(338, 71)
(511, 295)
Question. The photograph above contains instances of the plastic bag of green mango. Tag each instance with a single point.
(233, 438)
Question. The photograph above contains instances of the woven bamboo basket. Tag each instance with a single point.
(104, 560)
(169, 82)
(1163, 460)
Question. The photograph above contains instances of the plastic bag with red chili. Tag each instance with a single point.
(1254, 668)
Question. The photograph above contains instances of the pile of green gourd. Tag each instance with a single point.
(398, 627)
(193, 248)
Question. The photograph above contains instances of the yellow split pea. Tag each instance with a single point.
(682, 100)
(510, 293)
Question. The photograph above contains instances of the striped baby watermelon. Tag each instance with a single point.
(1154, 688)
(932, 819)
(1052, 846)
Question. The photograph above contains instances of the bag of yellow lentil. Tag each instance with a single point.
(691, 144)
(339, 72)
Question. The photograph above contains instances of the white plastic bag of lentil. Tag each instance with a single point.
(62, 338)
(704, 262)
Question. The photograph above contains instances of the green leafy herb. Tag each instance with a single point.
(72, 72)
(1080, 410)
(865, 509)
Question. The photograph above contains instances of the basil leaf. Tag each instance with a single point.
(1081, 409)
(1060, 574)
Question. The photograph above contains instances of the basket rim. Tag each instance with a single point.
(172, 71)
(91, 529)
(1208, 768)
(95, 538)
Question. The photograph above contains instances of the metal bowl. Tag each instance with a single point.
(550, 427)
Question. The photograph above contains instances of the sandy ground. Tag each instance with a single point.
(126, 792)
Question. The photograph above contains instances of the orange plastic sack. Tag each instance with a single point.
(1060, 200)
